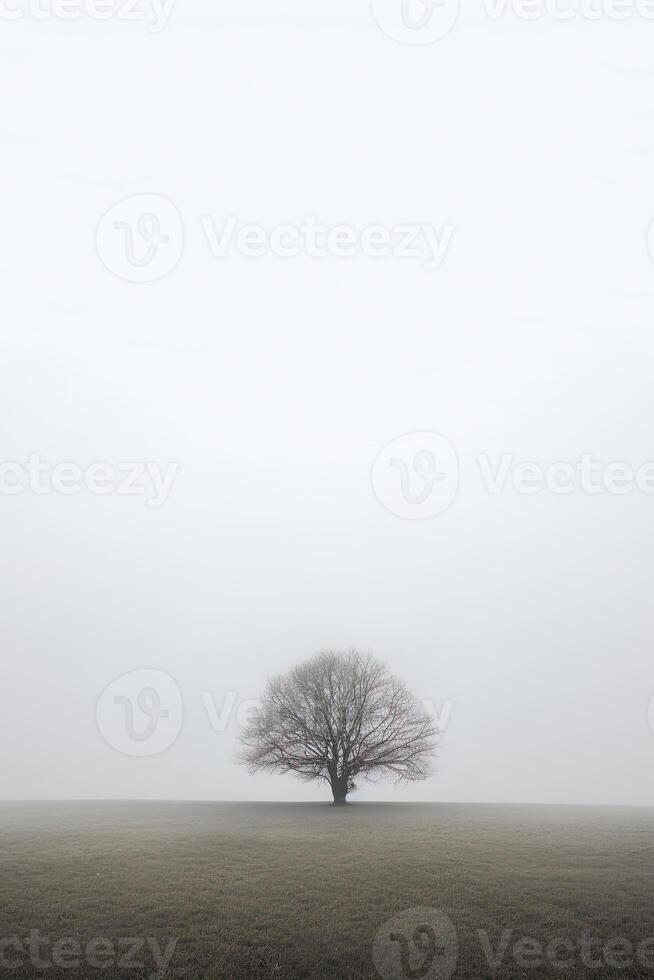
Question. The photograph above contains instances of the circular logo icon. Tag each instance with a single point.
(141, 713)
(416, 21)
(141, 239)
(416, 476)
(419, 943)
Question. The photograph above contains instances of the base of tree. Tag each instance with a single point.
(341, 801)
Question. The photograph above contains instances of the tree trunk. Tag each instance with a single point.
(339, 789)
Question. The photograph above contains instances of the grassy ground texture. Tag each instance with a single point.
(208, 890)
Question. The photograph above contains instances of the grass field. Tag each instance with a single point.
(272, 890)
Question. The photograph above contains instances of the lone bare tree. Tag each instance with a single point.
(340, 717)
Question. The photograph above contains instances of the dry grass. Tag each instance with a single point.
(268, 890)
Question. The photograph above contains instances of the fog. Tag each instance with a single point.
(261, 391)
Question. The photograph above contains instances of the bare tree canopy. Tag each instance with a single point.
(340, 717)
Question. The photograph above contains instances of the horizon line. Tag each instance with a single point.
(326, 802)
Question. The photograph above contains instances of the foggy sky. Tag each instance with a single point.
(274, 384)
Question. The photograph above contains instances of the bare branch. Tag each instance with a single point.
(339, 717)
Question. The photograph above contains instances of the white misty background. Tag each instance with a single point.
(275, 383)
